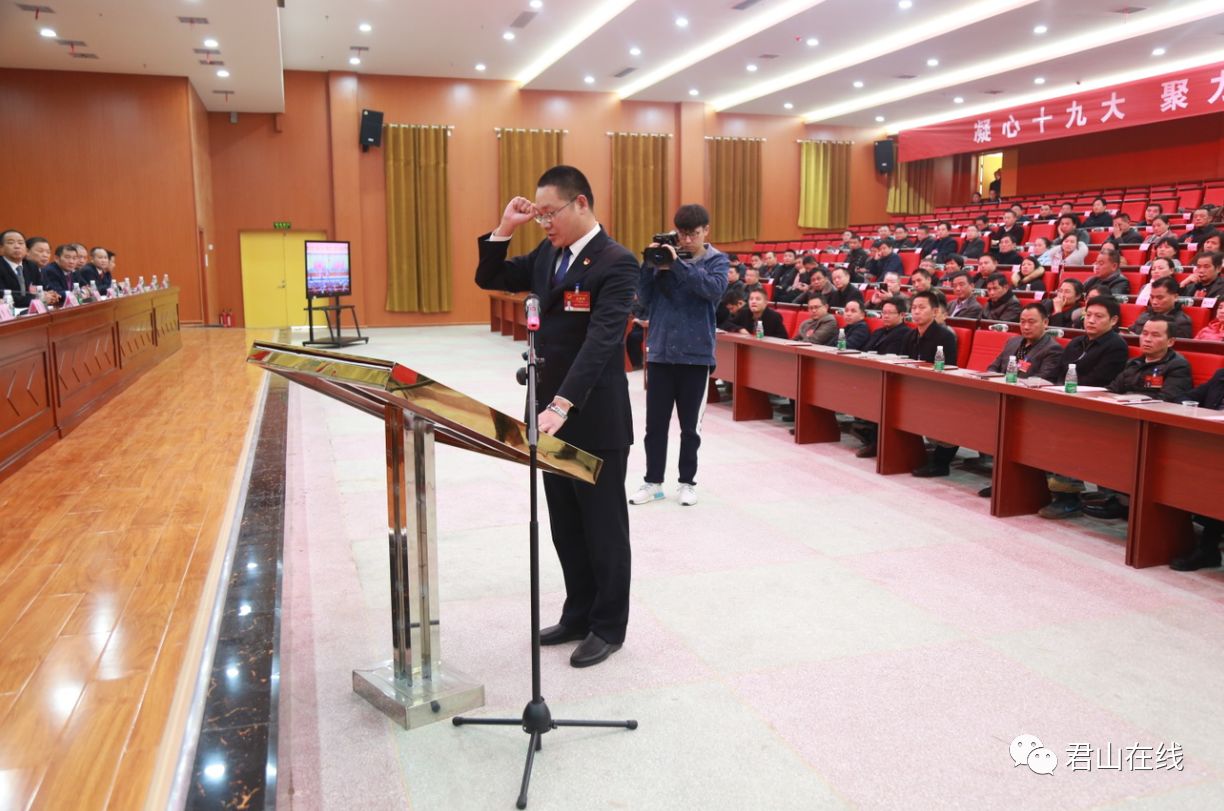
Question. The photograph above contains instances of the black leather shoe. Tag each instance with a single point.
(1201, 558)
(1106, 509)
(592, 651)
(987, 491)
(866, 452)
(559, 635)
(930, 470)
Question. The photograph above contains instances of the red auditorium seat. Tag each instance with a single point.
(1130, 313)
(985, 347)
(1199, 317)
(909, 261)
(1189, 198)
(791, 320)
(768, 285)
(1134, 209)
(1213, 196)
(964, 345)
(1203, 365)
(1133, 256)
(1041, 229)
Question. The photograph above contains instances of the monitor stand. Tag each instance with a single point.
(334, 337)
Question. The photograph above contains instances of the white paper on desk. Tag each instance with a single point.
(848, 352)
(984, 375)
(1088, 389)
(1132, 399)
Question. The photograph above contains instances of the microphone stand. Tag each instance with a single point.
(537, 719)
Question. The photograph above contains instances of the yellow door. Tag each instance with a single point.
(987, 165)
(274, 277)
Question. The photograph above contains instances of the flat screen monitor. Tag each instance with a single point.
(328, 270)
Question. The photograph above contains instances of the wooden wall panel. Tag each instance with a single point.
(201, 177)
(104, 159)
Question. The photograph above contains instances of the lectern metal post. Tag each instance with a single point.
(413, 688)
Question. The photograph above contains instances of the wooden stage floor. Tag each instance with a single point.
(110, 547)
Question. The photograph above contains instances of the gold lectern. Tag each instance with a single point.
(414, 688)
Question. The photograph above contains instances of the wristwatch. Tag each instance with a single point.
(556, 409)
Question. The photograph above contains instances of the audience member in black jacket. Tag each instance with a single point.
(923, 342)
(1107, 276)
(885, 261)
(1009, 228)
(1202, 227)
(759, 310)
(843, 291)
(974, 246)
(857, 331)
(890, 337)
(16, 272)
(1100, 354)
(1122, 233)
(1005, 252)
(1099, 217)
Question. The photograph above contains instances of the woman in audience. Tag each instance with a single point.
(1043, 249)
(1029, 276)
(1160, 228)
(1167, 249)
(1070, 252)
(1211, 244)
(1160, 268)
(1215, 330)
(1064, 305)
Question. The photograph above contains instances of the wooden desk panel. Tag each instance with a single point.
(959, 414)
(27, 412)
(86, 359)
(828, 384)
(724, 360)
(762, 368)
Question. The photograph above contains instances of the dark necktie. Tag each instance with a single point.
(564, 266)
(20, 278)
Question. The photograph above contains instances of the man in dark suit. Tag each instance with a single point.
(586, 283)
(57, 276)
(16, 272)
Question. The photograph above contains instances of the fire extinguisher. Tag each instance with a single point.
(227, 318)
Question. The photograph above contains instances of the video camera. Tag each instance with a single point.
(660, 256)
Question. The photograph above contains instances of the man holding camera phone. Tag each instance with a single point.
(682, 279)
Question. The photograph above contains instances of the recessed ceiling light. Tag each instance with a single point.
(589, 79)
(480, 66)
(788, 106)
(751, 68)
(879, 119)
(635, 51)
(354, 60)
(365, 28)
(682, 22)
(905, 4)
(1158, 52)
(49, 33)
(1039, 80)
(1040, 29)
(507, 36)
(211, 43)
(223, 73)
(536, 4)
(958, 100)
(812, 42)
(858, 84)
(693, 92)
(932, 63)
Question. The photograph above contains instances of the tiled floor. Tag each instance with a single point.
(811, 635)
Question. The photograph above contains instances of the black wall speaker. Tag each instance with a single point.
(885, 156)
(371, 129)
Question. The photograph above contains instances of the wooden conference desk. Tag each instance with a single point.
(57, 369)
(1164, 455)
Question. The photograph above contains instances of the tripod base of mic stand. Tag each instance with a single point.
(537, 720)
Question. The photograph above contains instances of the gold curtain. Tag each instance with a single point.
(911, 189)
(735, 189)
(524, 155)
(418, 219)
(639, 187)
(824, 186)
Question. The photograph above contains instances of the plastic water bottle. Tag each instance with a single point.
(153, 282)
(140, 285)
(127, 285)
(93, 290)
(939, 359)
(1072, 384)
(1011, 370)
(760, 329)
(841, 339)
(165, 280)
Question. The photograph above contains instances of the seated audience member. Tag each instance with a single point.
(1150, 213)
(1043, 251)
(1162, 301)
(1099, 357)
(820, 327)
(783, 269)
(986, 267)
(943, 245)
(890, 286)
(982, 223)
(1214, 331)
(901, 238)
(941, 311)
(923, 241)
(734, 282)
(883, 232)
(1121, 232)
(57, 276)
(955, 263)
(843, 291)
(87, 272)
(974, 246)
(752, 280)
(1064, 305)
(1159, 372)
(845, 243)
(1099, 217)
(856, 260)
(1001, 304)
(1068, 225)
(1070, 251)
(1009, 228)
(1067, 209)
(1159, 268)
(799, 282)
(732, 312)
(922, 343)
(771, 319)
(1206, 552)
(818, 284)
(889, 338)
(1005, 252)
(1037, 353)
(1045, 214)
(17, 273)
(965, 303)
(755, 261)
(975, 199)
(1160, 229)
(38, 250)
(1030, 275)
(992, 196)
(1166, 248)
(1018, 210)
(885, 261)
(857, 331)
(1202, 229)
(1206, 281)
(769, 265)
(1107, 275)
(1212, 243)
(920, 280)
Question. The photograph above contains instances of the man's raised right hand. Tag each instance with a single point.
(518, 211)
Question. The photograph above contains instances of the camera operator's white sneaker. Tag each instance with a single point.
(687, 493)
(647, 493)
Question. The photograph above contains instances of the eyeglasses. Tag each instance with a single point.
(696, 232)
(546, 219)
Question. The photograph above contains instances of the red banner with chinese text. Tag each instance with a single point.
(1160, 98)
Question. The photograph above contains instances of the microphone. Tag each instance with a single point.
(533, 312)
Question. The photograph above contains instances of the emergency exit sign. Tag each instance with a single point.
(282, 225)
